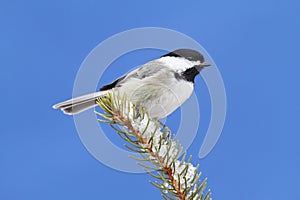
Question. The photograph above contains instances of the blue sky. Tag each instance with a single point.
(254, 43)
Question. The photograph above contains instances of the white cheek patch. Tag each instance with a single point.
(178, 64)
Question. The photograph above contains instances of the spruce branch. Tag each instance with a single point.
(176, 177)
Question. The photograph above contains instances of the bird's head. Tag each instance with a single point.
(187, 63)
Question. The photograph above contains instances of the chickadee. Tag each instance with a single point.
(160, 86)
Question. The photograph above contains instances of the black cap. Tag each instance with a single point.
(188, 54)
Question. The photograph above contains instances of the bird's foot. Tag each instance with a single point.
(166, 133)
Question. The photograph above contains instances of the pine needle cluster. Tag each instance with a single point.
(160, 155)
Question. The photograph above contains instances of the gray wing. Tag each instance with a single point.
(146, 70)
(142, 72)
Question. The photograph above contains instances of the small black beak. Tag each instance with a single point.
(205, 64)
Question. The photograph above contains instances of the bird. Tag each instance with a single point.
(160, 86)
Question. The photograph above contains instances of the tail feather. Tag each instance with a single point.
(79, 104)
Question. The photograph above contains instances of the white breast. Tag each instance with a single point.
(171, 98)
(161, 94)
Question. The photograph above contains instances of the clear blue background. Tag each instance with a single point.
(255, 44)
